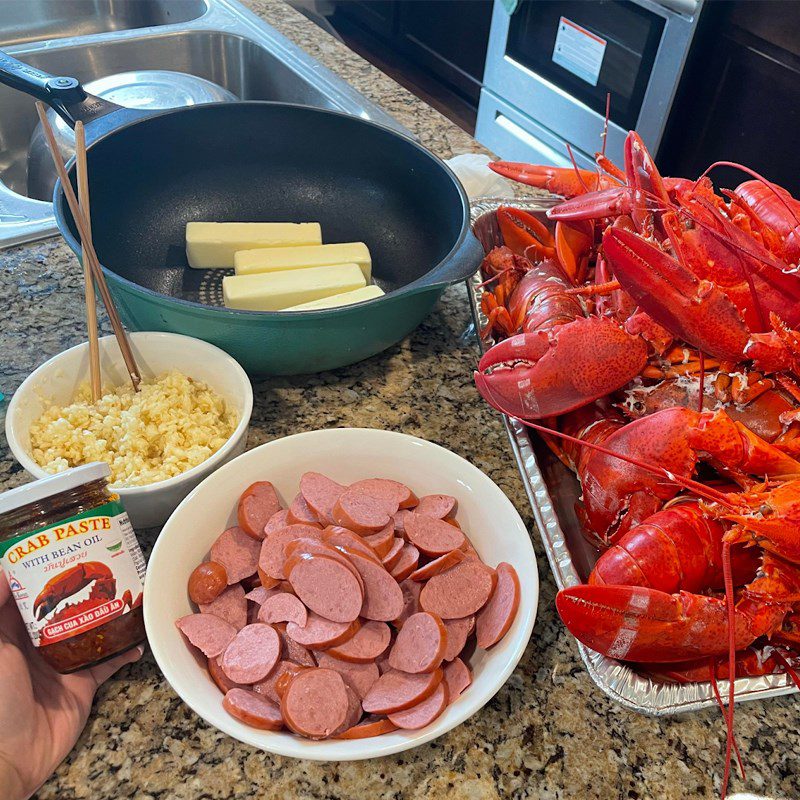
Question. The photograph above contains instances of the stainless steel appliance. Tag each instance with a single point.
(552, 63)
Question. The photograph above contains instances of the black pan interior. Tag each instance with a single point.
(254, 162)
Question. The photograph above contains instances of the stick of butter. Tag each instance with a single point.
(272, 291)
(212, 244)
(344, 299)
(269, 259)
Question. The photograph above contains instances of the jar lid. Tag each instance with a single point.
(35, 491)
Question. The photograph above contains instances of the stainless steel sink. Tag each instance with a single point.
(225, 44)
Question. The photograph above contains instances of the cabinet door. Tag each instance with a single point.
(377, 16)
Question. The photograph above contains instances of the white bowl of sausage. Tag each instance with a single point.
(346, 455)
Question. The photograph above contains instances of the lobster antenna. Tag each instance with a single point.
(713, 677)
(604, 134)
(731, 614)
(577, 171)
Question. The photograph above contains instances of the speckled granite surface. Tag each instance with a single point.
(549, 733)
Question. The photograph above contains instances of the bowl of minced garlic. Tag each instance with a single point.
(190, 416)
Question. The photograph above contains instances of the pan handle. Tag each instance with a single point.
(64, 95)
(459, 266)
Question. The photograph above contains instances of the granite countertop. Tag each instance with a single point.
(548, 733)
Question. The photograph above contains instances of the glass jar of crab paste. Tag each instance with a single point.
(74, 566)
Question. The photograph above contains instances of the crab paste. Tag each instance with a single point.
(74, 566)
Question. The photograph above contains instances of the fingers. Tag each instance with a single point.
(102, 672)
(5, 589)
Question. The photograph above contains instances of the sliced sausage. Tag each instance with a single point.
(224, 683)
(438, 565)
(372, 726)
(267, 687)
(407, 563)
(347, 541)
(458, 631)
(320, 633)
(382, 541)
(272, 557)
(354, 711)
(231, 606)
(360, 513)
(252, 654)
(261, 593)
(300, 512)
(459, 591)
(283, 607)
(393, 556)
(208, 633)
(207, 582)
(292, 650)
(457, 677)
(320, 494)
(497, 615)
(411, 590)
(276, 521)
(258, 503)
(359, 677)
(438, 506)
(304, 547)
(315, 703)
(399, 520)
(396, 691)
(369, 642)
(383, 597)
(423, 713)
(253, 709)
(327, 587)
(394, 492)
(432, 536)
(237, 552)
(420, 644)
(264, 580)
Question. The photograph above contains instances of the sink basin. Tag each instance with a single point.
(24, 21)
(226, 44)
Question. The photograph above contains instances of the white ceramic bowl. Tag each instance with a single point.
(346, 455)
(57, 381)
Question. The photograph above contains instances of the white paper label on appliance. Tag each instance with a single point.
(578, 50)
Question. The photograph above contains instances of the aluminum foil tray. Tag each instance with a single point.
(552, 490)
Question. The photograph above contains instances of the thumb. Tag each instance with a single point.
(102, 672)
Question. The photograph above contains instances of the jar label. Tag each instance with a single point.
(78, 574)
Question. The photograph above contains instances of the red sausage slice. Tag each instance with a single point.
(370, 727)
(224, 683)
(458, 631)
(394, 492)
(292, 650)
(497, 615)
(437, 505)
(459, 591)
(438, 565)
(237, 552)
(258, 503)
(407, 563)
(300, 512)
(432, 536)
(399, 520)
(354, 711)
(253, 709)
(420, 644)
(230, 606)
(327, 587)
(383, 597)
(320, 633)
(261, 593)
(272, 556)
(411, 590)
(423, 713)
(457, 677)
(360, 513)
(368, 643)
(283, 607)
(267, 687)
(382, 541)
(359, 677)
(302, 548)
(396, 691)
(315, 703)
(276, 521)
(393, 556)
(206, 632)
(252, 654)
(346, 541)
(320, 494)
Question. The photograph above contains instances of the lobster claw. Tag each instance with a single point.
(542, 374)
(566, 181)
(523, 232)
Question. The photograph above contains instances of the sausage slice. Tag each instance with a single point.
(207, 582)
(231, 606)
(261, 593)
(300, 512)
(458, 631)
(320, 494)
(252, 654)
(459, 591)
(423, 713)
(382, 541)
(327, 587)
(319, 633)
(393, 491)
(411, 590)
(315, 703)
(372, 726)
(407, 563)
(457, 677)
(432, 536)
(438, 506)
(497, 615)
(237, 552)
(258, 503)
(253, 709)
(359, 677)
(368, 643)
(206, 632)
(224, 683)
(420, 644)
(278, 520)
(393, 556)
(292, 650)
(354, 711)
(267, 687)
(396, 691)
(438, 565)
(346, 541)
(360, 512)
(272, 556)
(283, 607)
(383, 598)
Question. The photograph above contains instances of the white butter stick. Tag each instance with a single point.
(213, 244)
(269, 259)
(273, 291)
(344, 299)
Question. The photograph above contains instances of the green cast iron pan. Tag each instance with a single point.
(150, 174)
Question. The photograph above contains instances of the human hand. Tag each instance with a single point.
(41, 712)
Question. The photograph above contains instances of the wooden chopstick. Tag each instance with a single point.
(91, 256)
(88, 280)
